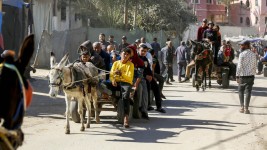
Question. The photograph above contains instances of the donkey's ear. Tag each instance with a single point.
(26, 51)
(63, 61)
(52, 60)
(193, 42)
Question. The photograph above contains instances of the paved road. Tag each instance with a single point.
(194, 121)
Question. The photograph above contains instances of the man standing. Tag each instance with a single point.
(201, 30)
(112, 42)
(263, 58)
(246, 70)
(102, 40)
(124, 43)
(210, 35)
(166, 58)
(156, 46)
(181, 54)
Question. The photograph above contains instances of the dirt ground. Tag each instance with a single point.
(194, 121)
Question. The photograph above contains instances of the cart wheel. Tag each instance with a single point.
(225, 80)
(120, 111)
(74, 111)
(193, 80)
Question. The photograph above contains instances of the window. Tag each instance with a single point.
(241, 20)
(247, 21)
(63, 12)
(195, 1)
(256, 3)
(54, 8)
(256, 20)
(209, 1)
(265, 20)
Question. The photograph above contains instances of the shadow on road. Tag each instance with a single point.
(42, 105)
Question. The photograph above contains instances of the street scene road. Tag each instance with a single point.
(194, 121)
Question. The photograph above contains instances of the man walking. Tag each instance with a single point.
(246, 70)
(181, 54)
(166, 58)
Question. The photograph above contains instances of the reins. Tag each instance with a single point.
(70, 83)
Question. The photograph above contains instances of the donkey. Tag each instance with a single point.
(16, 94)
(61, 75)
(203, 60)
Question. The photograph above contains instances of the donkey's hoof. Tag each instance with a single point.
(67, 131)
(88, 126)
(82, 129)
(97, 121)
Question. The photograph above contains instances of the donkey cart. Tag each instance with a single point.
(221, 74)
(106, 102)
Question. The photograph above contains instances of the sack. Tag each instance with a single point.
(220, 58)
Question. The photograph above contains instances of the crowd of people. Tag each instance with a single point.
(145, 67)
(139, 66)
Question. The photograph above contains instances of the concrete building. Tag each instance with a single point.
(210, 9)
(242, 13)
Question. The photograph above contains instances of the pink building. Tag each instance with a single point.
(210, 9)
(242, 13)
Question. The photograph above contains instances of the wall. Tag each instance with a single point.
(62, 42)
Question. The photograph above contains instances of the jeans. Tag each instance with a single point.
(180, 66)
(142, 94)
(245, 87)
(125, 89)
(167, 72)
(260, 66)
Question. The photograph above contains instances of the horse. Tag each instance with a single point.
(203, 57)
(16, 94)
(61, 75)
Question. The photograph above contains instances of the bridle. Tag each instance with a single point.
(60, 78)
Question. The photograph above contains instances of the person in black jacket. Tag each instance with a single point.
(148, 75)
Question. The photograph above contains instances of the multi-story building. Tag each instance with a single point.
(211, 9)
(242, 13)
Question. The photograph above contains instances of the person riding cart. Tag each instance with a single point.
(122, 73)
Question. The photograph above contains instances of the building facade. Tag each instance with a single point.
(242, 13)
(211, 9)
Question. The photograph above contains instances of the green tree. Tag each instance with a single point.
(149, 15)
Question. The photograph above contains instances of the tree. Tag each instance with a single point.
(149, 15)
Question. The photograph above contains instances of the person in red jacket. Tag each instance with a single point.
(201, 30)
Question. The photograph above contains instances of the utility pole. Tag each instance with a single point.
(126, 13)
(135, 14)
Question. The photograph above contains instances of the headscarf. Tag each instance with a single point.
(88, 45)
(135, 59)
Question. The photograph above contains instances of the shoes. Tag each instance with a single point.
(162, 96)
(259, 73)
(172, 80)
(145, 116)
(168, 83)
(246, 111)
(126, 122)
(179, 81)
(185, 79)
(150, 108)
(161, 110)
(241, 110)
